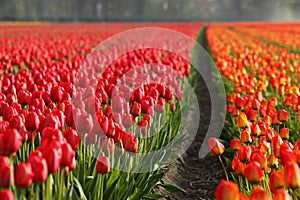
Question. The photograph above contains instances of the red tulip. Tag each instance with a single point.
(260, 158)
(130, 142)
(284, 133)
(135, 109)
(235, 144)
(103, 165)
(244, 153)
(216, 147)
(53, 157)
(6, 195)
(72, 138)
(238, 166)
(12, 141)
(23, 175)
(68, 154)
(227, 190)
(39, 168)
(32, 121)
(5, 172)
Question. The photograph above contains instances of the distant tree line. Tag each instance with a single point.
(149, 10)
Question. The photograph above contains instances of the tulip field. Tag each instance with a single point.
(61, 128)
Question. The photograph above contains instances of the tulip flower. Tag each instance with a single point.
(242, 121)
(260, 158)
(5, 172)
(259, 193)
(6, 195)
(244, 154)
(39, 168)
(72, 138)
(12, 141)
(235, 144)
(253, 172)
(68, 154)
(281, 194)
(23, 175)
(103, 165)
(32, 121)
(272, 161)
(216, 147)
(276, 181)
(284, 133)
(282, 115)
(227, 190)
(291, 175)
(245, 136)
(238, 166)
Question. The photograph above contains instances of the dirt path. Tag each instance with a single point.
(199, 177)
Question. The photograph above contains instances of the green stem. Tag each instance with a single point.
(223, 167)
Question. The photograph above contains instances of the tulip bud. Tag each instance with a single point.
(103, 165)
(23, 175)
(240, 102)
(259, 193)
(272, 161)
(216, 147)
(68, 154)
(127, 120)
(53, 158)
(246, 136)
(72, 138)
(227, 190)
(253, 172)
(135, 109)
(32, 121)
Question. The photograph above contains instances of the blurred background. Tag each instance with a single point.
(149, 10)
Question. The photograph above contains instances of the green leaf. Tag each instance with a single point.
(79, 189)
(109, 190)
(153, 196)
(171, 187)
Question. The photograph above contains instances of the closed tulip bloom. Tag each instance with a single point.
(32, 121)
(272, 161)
(227, 190)
(242, 121)
(240, 102)
(292, 175)
(23, 175)
(284, 133)
(260, 158)
(68, 154)
(103, 165)
(276, 181)
(245, 136)
(251, 115)
(235, 144)
(281, 194)
(253, 172)
(258, 193)
(135, 109)
(282, 115)
(244, 197)
(255, 129)
(6, 195)
(127, 120)
(238, 166)
(244, 153)
(216, 147)
(12, 141)
(53, 157)
(5, 172)
(39, 168)
(130, 142)
(72, 138)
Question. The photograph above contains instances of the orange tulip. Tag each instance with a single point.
(282, 115)
(235, 144)
(292, 175)
(272, 161)
(244, 153)
(242, 121)
(246, 136)
(276, 181)
(281, 194)
(259, 193)
(253, 172)
(227, 190)
(216, 147)
(284, 133)
(238, 166)
(259, 157)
